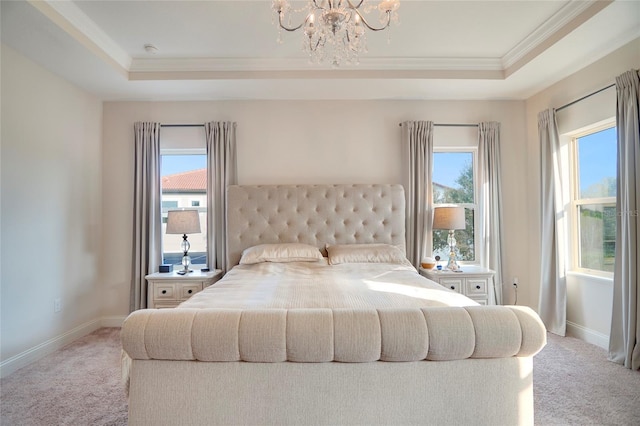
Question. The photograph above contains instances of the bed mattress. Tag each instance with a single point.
(320, 285)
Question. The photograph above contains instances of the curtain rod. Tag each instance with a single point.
(182, 125)
(585, 97)
(449, 125)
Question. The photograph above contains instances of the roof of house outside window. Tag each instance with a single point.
(192, 181)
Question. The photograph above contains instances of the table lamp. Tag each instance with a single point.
(450, 218)
(183, 222)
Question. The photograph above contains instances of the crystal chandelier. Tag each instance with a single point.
(335, 29)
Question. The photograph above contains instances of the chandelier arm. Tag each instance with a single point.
(291, 28)
(315, 3)
(355, 7)
(366, 24)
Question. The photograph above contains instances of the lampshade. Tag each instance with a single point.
(183, 222)
(448, 218)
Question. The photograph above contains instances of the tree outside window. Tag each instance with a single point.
(594, 200)
(454, 183)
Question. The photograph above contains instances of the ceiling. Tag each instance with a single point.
(211, 50)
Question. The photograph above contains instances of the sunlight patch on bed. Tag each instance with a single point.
(435, 295)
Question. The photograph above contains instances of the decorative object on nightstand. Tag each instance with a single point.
(428, 263)
(474, 282)
(169, 290)
(450, 218)
(184, 222)
(438, 265)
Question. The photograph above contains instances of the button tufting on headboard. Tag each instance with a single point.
(313, 214)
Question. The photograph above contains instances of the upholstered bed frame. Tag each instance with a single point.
(474, 365)
(314, 214)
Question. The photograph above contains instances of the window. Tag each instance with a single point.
(184, 186)
(454, 183)
(594, 200)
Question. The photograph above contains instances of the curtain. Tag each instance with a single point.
(553, 285)
(147, 214)
(221, 172)
(491, 202)
(417, 140)
(624, 341)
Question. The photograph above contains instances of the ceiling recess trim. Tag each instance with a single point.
(567, 19)
(76, 23)
(302, 64)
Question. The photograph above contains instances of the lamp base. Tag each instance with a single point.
(452, 265)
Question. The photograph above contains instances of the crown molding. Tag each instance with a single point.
(272, 68)
(78, 25)
(569, 17)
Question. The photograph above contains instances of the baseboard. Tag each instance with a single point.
(112, 321)
(37, 352)
(588, 335)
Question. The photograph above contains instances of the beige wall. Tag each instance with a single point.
(51, 205)
(589, 299)
(306, 142)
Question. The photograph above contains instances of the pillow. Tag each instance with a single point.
(283, 252)
(365, 253)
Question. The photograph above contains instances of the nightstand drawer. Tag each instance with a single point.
(452, 283)
(473, 281)
(476, 287)
(164, 291)
(186, 290)
(168, 290)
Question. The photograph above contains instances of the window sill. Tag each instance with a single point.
(593, 277)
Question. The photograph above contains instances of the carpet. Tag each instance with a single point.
(80, 384)
(77, 385)
(574, 384)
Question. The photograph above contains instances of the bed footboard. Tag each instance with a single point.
(488, 392)
(327, 335)
(332, 366)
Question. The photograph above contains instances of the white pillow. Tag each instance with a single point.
(282, 252)
(365, 253)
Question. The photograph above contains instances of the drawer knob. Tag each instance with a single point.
(190, 291)
(478, 287)
(164, 291)
(453, 287)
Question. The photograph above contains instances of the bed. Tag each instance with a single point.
(322, 321)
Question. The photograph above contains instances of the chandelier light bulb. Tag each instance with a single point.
(389, 5)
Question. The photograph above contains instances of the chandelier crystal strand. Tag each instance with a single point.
(335, 30)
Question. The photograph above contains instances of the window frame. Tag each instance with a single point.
(473, 206)
(181, 151)
(575, 202)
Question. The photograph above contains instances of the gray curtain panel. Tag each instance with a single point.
(221, 172)
(624, 341)
(553, 284)
(147, 214)
(417, 141)
(490, 198)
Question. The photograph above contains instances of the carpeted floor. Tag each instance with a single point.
(574, 384)
(80, 384)
(76, 385)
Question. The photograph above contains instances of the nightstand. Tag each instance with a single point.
(474, 282)
(168, 290)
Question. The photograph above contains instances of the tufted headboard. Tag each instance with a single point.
(313, 214)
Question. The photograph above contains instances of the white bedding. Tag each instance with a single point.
(320, 285)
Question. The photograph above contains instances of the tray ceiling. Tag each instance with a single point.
(229, 50)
